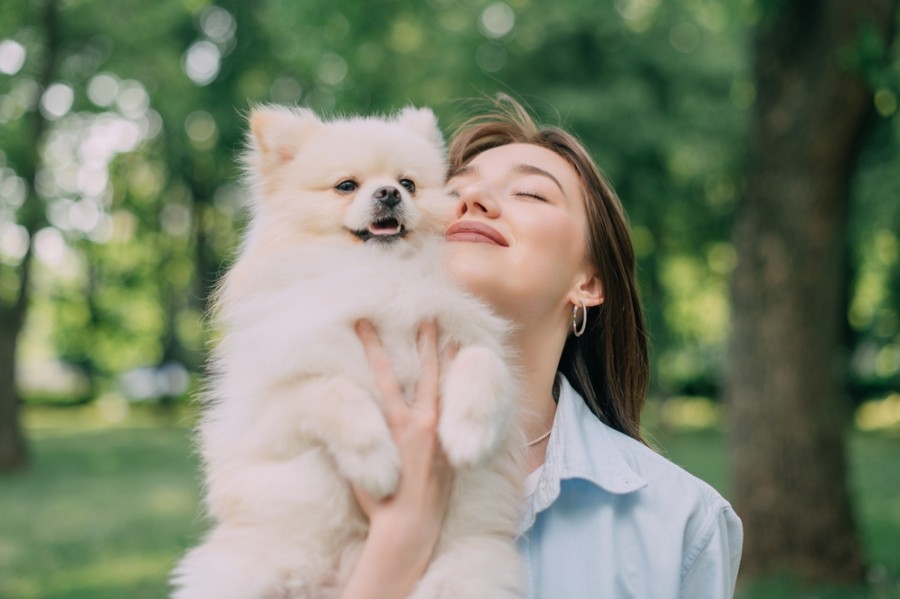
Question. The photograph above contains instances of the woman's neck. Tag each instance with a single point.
(538, 353)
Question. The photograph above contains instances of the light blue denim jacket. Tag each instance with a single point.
(611, 519)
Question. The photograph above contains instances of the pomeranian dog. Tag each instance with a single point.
(347, 223)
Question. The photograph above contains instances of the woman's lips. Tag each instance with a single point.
(470, 230)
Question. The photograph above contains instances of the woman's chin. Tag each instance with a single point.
(469, 272)
(462, 274)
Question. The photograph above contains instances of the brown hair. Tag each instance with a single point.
(608, 365)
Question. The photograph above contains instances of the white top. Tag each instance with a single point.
(610, 518)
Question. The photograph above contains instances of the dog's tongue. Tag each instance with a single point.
(385, 227)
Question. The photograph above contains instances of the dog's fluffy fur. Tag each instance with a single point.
(292, 410)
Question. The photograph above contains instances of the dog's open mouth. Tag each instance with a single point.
(386, 229)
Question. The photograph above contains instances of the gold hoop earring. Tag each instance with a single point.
(577, 329)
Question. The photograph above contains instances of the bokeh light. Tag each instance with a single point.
(885, 102)
(332, 68)
(132, 99)
(201, 128)
(103, 88)
(13, 242)
(286, 90)
(12, 57)
(57, 100)
(218, 24)
(684, 37)
(497, 20)
(201, 62)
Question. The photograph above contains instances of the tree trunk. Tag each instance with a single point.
(13, 450)
(786, 411)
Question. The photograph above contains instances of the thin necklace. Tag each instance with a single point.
(538, 440)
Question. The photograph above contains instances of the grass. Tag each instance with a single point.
(106, 511)
(102, 514)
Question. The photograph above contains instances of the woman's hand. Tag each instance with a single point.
(404, 528)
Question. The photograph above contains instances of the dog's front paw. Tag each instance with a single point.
(476, 405)
(374, 467)
(349, 422)
(466, 442)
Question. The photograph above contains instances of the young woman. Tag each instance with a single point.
(543, 239)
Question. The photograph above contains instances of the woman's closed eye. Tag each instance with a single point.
(531, 194)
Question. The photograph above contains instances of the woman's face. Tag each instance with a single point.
(519, 238)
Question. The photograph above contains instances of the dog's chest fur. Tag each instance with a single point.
(299, 309)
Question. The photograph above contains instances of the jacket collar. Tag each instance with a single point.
(580, 447)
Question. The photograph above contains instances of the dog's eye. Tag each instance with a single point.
(409, 185)
(347, 186)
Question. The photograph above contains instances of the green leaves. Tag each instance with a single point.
(148, 116)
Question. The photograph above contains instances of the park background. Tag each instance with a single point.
(742, 133)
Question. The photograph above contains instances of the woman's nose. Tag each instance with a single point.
(476, 199)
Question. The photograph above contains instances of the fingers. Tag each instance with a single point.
(428, 385)
(382, 369)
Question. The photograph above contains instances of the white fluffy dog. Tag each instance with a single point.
(347, 223)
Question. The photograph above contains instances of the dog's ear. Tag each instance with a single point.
(279, 131)
(423, 122)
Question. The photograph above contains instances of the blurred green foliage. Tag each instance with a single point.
(142, 193)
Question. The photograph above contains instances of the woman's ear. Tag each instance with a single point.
(589, 290)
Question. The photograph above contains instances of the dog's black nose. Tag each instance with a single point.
(389, 196)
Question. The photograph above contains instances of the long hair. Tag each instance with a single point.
(608, 365)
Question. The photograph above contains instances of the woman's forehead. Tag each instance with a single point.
(524, 159)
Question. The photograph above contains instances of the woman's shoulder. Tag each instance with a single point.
(607, 492)
(661, 472)
(623, 465)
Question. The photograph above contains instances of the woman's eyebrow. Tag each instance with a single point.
(463, 171)
(530, 169)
